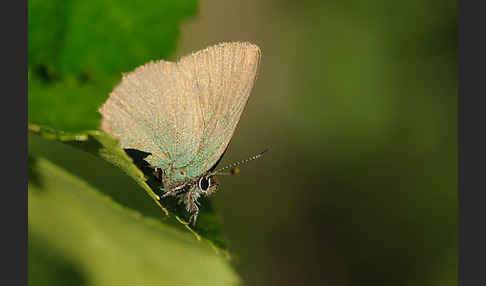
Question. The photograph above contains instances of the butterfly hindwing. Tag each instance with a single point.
(155, 109)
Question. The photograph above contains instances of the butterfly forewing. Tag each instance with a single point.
(223, 76)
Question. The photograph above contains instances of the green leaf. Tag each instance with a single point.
(67, 105)
(102, 145)
(79, 236)
(102, 36)
(78, 50)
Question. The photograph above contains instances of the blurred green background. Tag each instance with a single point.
(357, 101)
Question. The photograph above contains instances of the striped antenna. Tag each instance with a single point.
(237, 163)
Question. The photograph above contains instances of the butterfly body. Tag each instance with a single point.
(184, 114)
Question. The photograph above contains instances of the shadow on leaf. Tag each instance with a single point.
(46, 266)
(115, 183)
(33, 175)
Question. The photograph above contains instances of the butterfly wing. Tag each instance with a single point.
(155, 109)
(223, 76)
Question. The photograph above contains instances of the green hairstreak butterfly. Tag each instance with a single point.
(184, 114)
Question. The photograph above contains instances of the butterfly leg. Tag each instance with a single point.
(192, 205)
(158, 174)
(175, 191)
(193, 218)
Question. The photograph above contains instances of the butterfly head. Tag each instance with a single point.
(179, 182)
(207, 184)
(189, 190)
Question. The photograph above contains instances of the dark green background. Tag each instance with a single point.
(357, 101)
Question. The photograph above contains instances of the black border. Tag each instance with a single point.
(472, 142)
(14, 138)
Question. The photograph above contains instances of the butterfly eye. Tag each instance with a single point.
(204, 183)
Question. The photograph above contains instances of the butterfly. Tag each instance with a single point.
(184, 115)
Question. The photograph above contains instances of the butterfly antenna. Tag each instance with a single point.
(233, 166)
